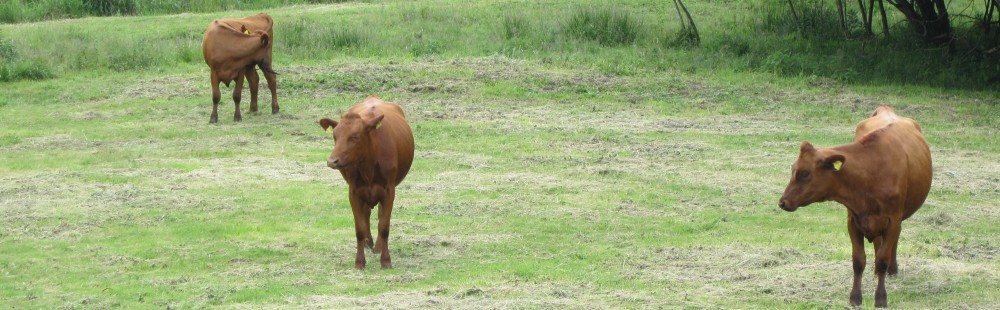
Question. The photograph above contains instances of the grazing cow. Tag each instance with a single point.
(882, 178)
(373, 150)
(232, 49)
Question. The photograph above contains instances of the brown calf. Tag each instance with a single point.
(882, 178)
(373, 150)
(232, 49)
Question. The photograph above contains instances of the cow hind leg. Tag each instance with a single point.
(367, 214)
(893, 266)
(216, 96)
(237, 93)
(272, 84)
(254, 79)
(857, 260)
(384, 216)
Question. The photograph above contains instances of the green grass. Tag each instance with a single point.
(551, 171)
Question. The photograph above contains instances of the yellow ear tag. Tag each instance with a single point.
(246, 31)
(329, 129)
(836, 165)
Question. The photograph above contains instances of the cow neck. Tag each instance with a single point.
(853, 188)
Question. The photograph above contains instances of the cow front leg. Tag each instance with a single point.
(254, 81)
(384, 215)
(237, 93)
(216, 96)
(857, 259)
(272, 84)
(362, 231)
(883, 255)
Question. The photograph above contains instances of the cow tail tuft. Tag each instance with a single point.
(265, 66)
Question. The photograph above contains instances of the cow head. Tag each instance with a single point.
(352, 139)
(814, 177)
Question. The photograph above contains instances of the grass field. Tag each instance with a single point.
(551, 170)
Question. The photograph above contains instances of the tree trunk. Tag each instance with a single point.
(692, 31)
(931, 21)
(795, 15)
(866, 21)
(843, 17)
(885, 22)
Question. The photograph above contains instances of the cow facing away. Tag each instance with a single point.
(882, 177)
(232, 49)
(373, 150)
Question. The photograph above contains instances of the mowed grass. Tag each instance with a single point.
(550, 180)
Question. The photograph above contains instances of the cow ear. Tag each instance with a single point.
(374, 123)
(327, 123)
(264, 40)
(806, 147)
(834, 162)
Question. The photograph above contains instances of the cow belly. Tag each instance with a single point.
(370, 195)
(871, 226)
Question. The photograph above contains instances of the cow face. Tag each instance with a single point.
(814, 177)
(352, 140)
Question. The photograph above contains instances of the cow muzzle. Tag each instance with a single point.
(334, 163)
(784, 204)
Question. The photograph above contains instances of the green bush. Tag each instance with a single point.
(606, 26)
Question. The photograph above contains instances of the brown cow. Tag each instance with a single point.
(373, 149)
(882, 178)
(232, 49)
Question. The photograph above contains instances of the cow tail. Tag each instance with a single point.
(265, 66)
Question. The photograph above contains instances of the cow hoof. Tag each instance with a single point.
(237, 118)
(274, 111)
(386, 265)
(213, 120)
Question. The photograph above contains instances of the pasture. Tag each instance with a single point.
(550, 171)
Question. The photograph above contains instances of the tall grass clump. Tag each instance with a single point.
(111, 7)
(13, 68)
(606, 26)
(345, 37)
(306, 37)
(514, 26)
(815, 18)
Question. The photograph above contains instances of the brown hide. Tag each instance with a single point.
(233, 48)
(373, 150)
(882, 177)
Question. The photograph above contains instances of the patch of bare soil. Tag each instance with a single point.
(507, 295)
